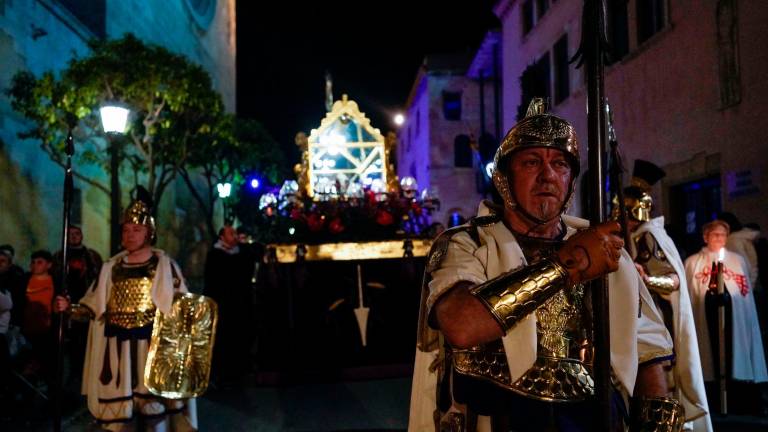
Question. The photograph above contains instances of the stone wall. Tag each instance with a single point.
(38, 37)
(175, 24)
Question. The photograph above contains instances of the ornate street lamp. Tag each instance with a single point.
(114, 119)
(225, 191)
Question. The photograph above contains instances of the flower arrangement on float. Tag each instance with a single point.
(361, 212)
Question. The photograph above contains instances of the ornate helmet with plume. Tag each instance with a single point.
(140, 211)
(537, 129)
(637, 196)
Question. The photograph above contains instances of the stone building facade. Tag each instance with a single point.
(688, 88)
(447, 120)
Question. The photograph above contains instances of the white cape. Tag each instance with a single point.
(742, 242)
(688, 377)
(748, 362)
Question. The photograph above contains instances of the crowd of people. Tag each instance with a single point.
(28, 321)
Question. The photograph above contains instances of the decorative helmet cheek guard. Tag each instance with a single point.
(536, 130)
(638, 208)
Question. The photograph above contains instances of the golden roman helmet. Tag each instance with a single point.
(637, 197)
(537, 129)
(140, 211)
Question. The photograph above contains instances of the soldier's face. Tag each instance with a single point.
(540, 178)
(135, 236)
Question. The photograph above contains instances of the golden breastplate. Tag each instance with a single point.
(130, 302)
(560, 372)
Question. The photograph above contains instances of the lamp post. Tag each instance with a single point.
(69, 150)
(114, 119)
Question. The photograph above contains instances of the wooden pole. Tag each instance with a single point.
(69, 150)
(592, 53)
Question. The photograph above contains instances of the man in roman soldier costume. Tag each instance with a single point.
(505, 334)
(121, 304)
(659, 264)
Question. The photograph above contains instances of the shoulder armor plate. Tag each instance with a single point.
(440, 245)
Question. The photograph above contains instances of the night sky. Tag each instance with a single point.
(284, 49)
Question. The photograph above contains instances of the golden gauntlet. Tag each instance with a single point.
(663, 284)
(658, 414)
(512, 296)
(80, 312)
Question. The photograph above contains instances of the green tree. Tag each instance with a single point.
(236, 149)
(173, 109)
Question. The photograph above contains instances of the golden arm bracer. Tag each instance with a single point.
(657, 414)
(662, 284)
(656, 265)
(180, 351)
(512, 296)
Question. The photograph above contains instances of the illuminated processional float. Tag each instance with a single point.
(348, 239)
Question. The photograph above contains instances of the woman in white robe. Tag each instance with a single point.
(748, 357)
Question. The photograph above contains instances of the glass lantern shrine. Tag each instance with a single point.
(346, 154)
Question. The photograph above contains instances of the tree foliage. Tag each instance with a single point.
(177, 123)
(238, 148)
(173, 108)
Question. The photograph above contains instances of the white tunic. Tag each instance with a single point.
(742, 242)
(687, 371)
(748, 362)
(633, 340)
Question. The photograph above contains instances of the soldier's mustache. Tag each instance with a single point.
(546, 188)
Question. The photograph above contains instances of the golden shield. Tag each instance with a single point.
(181, 348)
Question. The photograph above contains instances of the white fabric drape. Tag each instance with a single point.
(687, 370)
